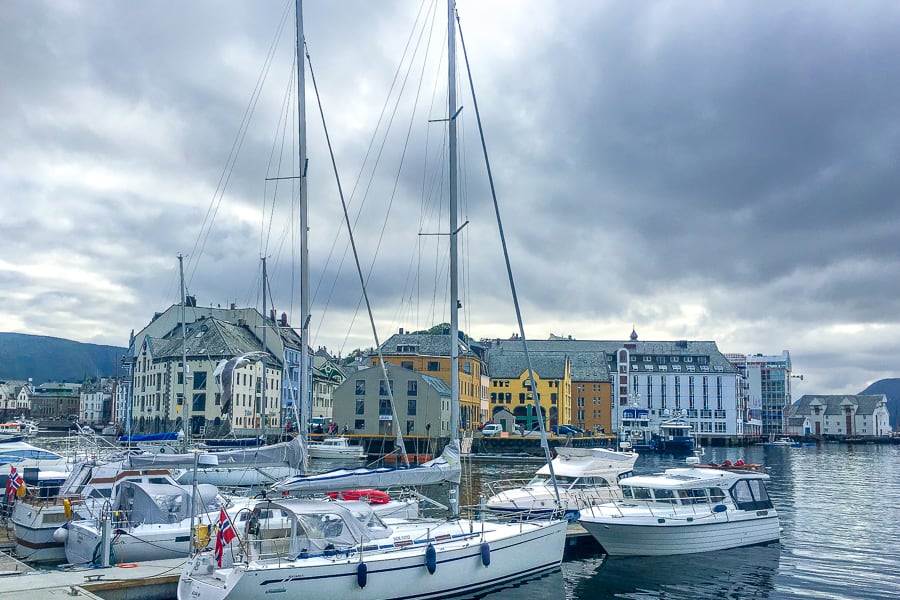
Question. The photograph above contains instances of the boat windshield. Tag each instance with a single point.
(562, 481)
(668, 496)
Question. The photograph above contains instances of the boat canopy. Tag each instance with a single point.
(587, 462)
(445, 467)
(163, 502)
(284, 453)
(339, 524)
(167, 436)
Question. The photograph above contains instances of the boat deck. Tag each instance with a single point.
(152, 580)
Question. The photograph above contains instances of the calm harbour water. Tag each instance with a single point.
(840, 519)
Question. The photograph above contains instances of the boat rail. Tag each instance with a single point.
(671, 509)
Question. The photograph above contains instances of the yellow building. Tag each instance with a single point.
(511, 387)
(429, 354)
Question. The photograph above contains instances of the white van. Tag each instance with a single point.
(492, 430)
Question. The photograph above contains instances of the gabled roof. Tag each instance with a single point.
(208, 338)
(833, 404)
(422, 344)
(511, 364)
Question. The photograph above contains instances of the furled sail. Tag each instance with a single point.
(284, 453)
(445, 467)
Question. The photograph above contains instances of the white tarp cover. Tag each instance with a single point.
(445, 467)
(284, 453)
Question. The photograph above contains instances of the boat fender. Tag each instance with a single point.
(485, 554)
(430, 559)
(67, 507)
(61, 534)
(719, 508)
(362, 575)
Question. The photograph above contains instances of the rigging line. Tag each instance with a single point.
(369, 151)
(264, 235)
(225, 177)
(389, 387)
(512, 284)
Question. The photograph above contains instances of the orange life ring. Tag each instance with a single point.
(370, 496)
(127, 565)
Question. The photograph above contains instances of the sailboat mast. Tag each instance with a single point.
(262, 404)
(185, 407)
(454, 248)
(305, 398)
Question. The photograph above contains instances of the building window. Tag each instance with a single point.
(553, 398)
(360, 406)
(359, 424)
(383, 387)
(410, 426)
(411, 407)
(467, 367)
(407, 364)
(360, 388)
(218, 399)
(384, 407)
(199, 403)
(648, 359)
(412, 388)
(434, 365)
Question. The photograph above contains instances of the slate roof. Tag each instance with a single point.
(424, 344)
(866, 403)
(509, 364)
(594, 352)
(208, 338)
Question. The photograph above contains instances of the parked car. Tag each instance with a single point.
(563, 430)
(492, 430)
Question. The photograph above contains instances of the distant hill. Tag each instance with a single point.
(54, 359)
(891, 389)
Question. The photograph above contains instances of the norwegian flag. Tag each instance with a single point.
(13, 483)
(224, 535)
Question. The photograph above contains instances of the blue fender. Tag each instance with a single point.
(430, 559)
(485, 554)
(362, 575)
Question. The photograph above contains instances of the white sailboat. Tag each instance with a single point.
(330, 550)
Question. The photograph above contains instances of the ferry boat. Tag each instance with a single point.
(685, 511)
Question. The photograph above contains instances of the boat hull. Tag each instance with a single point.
(458, 569)
(678, 536)
(35, 526)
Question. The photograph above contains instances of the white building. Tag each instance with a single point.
(91, 405)
(843, 416)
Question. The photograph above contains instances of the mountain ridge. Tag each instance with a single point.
(46, 358)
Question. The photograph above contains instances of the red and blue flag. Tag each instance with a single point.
(224, 534)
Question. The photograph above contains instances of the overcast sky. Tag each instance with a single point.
(719, 171)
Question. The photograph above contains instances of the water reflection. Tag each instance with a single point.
(738, 573)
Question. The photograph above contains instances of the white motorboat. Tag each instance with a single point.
(584, 477)
(335, 447)
(684, 511)
(81, 496)
(335, 550)
(23, 455)
(151, 521)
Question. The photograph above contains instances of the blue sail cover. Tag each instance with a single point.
(167, 436)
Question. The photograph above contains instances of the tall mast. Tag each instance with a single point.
(454, 250)
(305, 398)
(262, 405)
(185, 406)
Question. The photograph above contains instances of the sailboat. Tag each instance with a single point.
(334, 550)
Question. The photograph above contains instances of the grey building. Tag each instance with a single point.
(362, 404)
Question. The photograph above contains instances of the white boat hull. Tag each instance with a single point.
(35, 526)
(145, 542)
(619, 537)
(459, 569)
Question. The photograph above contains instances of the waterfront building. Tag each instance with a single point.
(768, 389)
(429, 354)
(281, 342)
(95, 402)
(691, 379)
(55, 403)
(422, 402)
(842, 416)
(23, 391)
(511, 389)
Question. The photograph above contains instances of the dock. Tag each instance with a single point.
(151, 580)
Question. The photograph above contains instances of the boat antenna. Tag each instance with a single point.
(512, 284)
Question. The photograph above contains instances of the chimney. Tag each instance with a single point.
(190, 301)
(233, 306)
(284, 321)
(401, 331)
(272, 314)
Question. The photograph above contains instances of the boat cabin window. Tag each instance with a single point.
(592, 482)
(716, 495)
(665, 496)
(100, 493)
(693, 496)
(638, 493)
(750, 495)
(562, 481)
